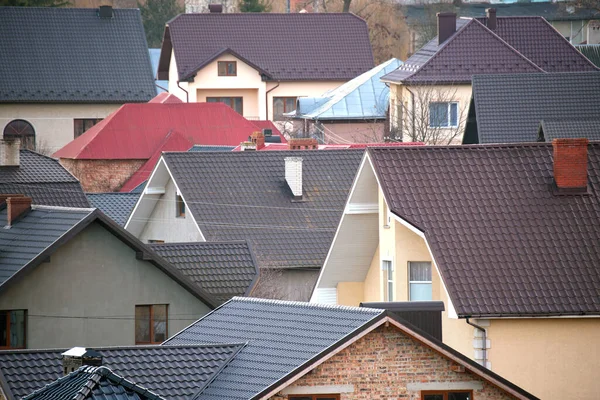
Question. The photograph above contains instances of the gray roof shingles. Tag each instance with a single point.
(244, 196)
(174, 372)
(44, 180)
(280, 336)
(297, 46)
(510, 107)
(117, 205)
(569, 128)
(70, 55)
(32, 233)
(223, 269)
(504, 243)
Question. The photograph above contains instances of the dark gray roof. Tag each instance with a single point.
(510, 107)
(591, 51)
(244, 196)
(281, 336)
(297, 46)
(94, 383)
(117, 206)
(205, 148)
(223, 269)
(70, 55)
(174, 372)
(551, 129)
(32, 234)
(43, 179)
(505, 245)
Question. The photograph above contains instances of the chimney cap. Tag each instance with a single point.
(105, 11)
(81, 352)
(490, 11)
(215, 8)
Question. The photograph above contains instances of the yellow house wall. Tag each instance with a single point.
(250, 99)
(53, 123)
(372, 287)
(350, 293)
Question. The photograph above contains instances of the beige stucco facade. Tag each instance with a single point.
(402, 111)
(86, 294)
(257, 94)
(579, 31)
(53, 123)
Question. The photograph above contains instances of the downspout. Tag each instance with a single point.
(187, 95)
(484, 341)
(412, 111)
(267, 99)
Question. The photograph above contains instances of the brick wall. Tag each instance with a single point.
(382, 364)
(102, 175)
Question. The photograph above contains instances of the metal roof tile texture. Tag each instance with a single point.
(31, 234)
(504, 243)
(117, 206)
(174, 372)
(571, 128)
(298, 46)
(71, 55)
(509, 108)
(281, 336)
(223, 269)
(43, 179)
(244, 196)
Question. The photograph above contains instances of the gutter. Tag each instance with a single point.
(267, 99)
(484, 341)
(187, 95)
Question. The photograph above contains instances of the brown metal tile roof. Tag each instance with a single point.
(505, 245)
(307, 46)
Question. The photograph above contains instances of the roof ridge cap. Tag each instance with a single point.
(61, 208)
(303, 304)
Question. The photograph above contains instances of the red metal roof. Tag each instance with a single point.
(165, 97)
(286, 146)
(135, 131)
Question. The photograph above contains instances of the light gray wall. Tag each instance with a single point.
(163, 224)
(95, 275)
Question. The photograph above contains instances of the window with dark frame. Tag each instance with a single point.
(314, 397)
(80, 125)
(237, 103)
(227, 68)
(447, 395)
(151, 324)
(283, 105)
(13, 324)
(180, 212)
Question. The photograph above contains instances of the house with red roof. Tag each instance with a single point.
(127, 141)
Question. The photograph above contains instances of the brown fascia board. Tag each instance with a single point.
(225, 50)
(164, 61)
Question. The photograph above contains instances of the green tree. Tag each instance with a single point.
(35, 3)
(253, 6)
(155, 14)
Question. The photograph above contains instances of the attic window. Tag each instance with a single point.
(20, 129)
(180, 211)
(227, 68)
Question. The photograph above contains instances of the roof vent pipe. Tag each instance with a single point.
(446, 24)
(293, 175)
(215, 8)
(79, 356)
(490, 13)
(105, 12)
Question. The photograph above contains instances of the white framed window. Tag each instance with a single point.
(419, 280)
(443, 114)
(388, 271)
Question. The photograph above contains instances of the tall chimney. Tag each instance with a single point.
(570, 165)
(490, 13)
(10, 152)
(258, 138)
(78, 357)
(16, 206)
(446, 22)
(215, 8)
(293, 175)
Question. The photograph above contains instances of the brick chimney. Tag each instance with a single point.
(258, 138)
(215, 8)
(570, 165)
(446, 25)
(79, 356)
(301, 144)
(15, 207)
(490, 13)
(293, 175)
(10, 155)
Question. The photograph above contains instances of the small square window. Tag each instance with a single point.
(151, 324)
(443, 115)
(180, 212)
(227, 68)
(282, 105)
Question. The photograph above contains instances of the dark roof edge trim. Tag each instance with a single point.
(164, 60)
(583, 314)
(256, 270)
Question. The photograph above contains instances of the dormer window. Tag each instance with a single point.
(227, 68)
(180, 210)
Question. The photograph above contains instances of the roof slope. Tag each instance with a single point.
(96, 383)
(44, 180)
(244, 196)
(503, 242)
(135, 131)
(591, 51)
(298, 46)
(365, 96)
(509, 108)
(174, 372)
(551, 129)
(224, 269)
(70, 55)
(276, 346)
(117, 206)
